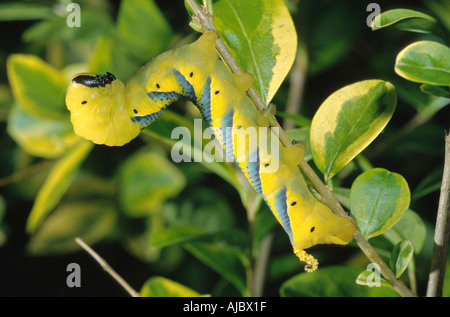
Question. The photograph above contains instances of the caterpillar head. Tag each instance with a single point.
(321, 226)
(99, 111)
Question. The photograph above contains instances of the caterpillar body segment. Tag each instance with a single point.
(114, 114)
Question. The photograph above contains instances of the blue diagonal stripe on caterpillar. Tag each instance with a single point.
(195, 72)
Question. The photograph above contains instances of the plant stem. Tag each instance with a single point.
(442, 231)
(107, 268)
(328, 197)
(297, 85)
(25, 173)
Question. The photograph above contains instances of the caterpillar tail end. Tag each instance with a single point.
(311, 263)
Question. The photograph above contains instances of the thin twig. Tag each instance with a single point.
(442, 231)
(297, 85)
(107, 268)
(260, 270)
(25, 173)
(328, 197)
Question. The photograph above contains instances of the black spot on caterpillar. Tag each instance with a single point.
(221, 98)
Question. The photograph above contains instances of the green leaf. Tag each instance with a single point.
(264, 223)
(227, 261)
(56, 184)
(401, 256)
(93, 24)
(91, 221)
(38, 87)
(348, 121)
(201, 207)
(410, 227)
(435, 90)
(15, 11)
(409, 20)
(102, 58)
(425, 62)
(378, 199)
(367, 278)
(158, 286)
(176, 235)
(49, 138)
(142, 29)
(261, 36)
(446, 288)
(146, 180)
(331, 281)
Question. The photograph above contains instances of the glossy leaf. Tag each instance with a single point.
(332, 281)
(435, 90)
(91, 221)
(146, 180)
(378, 200)
(367, 278)
(49, 138)
(409, 20)
(348, 121)
(158, 286)
(262, 37)
(37, 86)
(401, 256)
(425, 62)
(226, 260)
(56, 184)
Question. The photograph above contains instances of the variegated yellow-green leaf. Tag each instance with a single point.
(435, 90)
(57, 183)
(158, 286)
(41, 137)
(261, 36)
(401, 257)
(37, 86)
(378, 199)
(348, 121)
(408, 20)
(425, 62)
(372, 279)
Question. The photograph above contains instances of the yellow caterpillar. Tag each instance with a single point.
(107, 111)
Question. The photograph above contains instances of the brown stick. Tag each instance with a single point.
(442, 231)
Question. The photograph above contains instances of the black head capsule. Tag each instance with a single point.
(94, 80)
